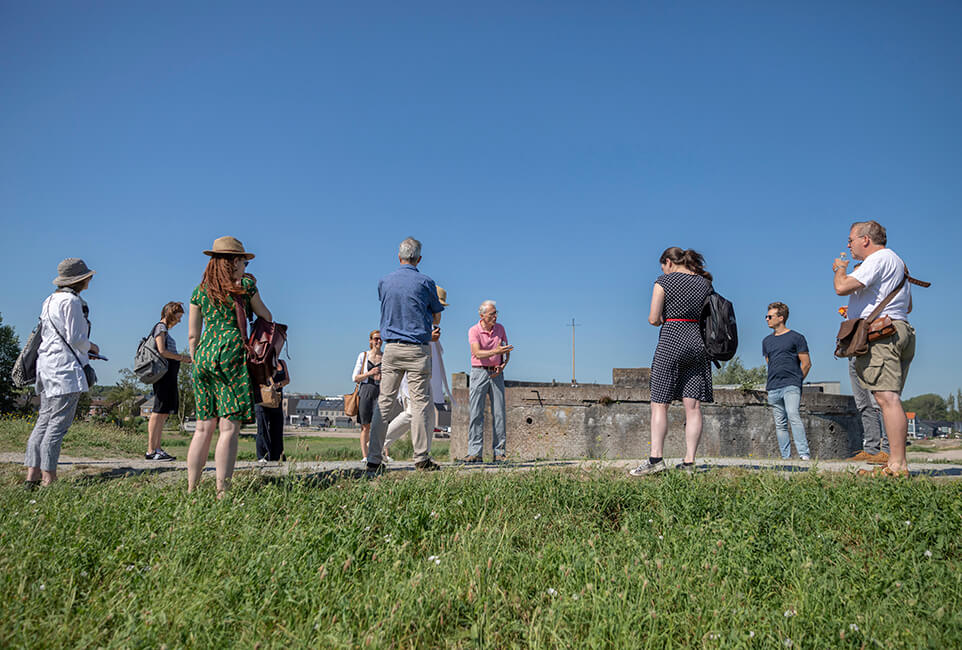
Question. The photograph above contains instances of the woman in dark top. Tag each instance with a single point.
(681, 369)
(367, 372)
(166, 397)
(270, 420)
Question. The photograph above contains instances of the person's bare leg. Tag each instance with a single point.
(896, 427)
(33, 474)
(198, 452)
(693, 422)
(155, 426)
(225, 454)
(659, 429)
(48, 477)
(365, 437)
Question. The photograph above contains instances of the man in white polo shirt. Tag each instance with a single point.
(884, 368)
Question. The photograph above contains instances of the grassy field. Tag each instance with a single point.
(541, 559)
(108, 441)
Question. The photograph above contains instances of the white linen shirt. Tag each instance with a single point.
(439, 378)
(58, 372)
(881, 272)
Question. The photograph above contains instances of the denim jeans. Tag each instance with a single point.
(480, 387)
(785, 403)
(55, 417)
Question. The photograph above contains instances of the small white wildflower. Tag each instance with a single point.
(42, 587)
(853, 627)
(460, 502)
(437, 561)
(83, 574)
(650, 521)
(387, 538)
(317, 626)
(788, 643)
(33, 500)
(908, 523)
(661, 537)
(790, 612)
(130, 567)
(552, 592)
(434, 514)
(367, 528)
(928, 553)
(751, 634)
(713, 636)
(575, 596)
(538, 516)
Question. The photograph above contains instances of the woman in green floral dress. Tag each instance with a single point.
(222, 387)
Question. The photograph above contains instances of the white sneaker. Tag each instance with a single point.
(262, 462)
(805, 457)
(387, 459)
(646, 468)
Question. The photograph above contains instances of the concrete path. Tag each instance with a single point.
(106, 468)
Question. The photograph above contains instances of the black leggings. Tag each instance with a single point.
(270, 432)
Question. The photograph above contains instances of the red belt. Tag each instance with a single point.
(680, 320)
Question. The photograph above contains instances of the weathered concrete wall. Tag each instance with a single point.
(613, 421)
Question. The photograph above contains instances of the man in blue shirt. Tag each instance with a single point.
(786, 353)
(409, 301)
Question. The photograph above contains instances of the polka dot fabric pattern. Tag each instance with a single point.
(681, 367)
(222, 387)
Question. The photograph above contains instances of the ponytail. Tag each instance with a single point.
(691, 259)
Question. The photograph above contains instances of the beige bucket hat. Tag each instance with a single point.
(71, 271)
(442, 296)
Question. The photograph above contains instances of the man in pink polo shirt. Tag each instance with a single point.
(489, 356)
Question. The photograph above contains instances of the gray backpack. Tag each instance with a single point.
(25, 367)
(149, 365)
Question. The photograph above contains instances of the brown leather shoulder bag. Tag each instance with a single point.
(855, 334)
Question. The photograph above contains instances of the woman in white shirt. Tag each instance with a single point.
(64, 351)
(367, 372)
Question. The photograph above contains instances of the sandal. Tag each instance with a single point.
(884, 472)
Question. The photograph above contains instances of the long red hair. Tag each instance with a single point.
(218, 280)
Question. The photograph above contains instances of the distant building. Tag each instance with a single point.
(317, 412)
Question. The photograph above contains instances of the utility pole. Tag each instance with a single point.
(573, 325)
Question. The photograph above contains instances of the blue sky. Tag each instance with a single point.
(545, 154)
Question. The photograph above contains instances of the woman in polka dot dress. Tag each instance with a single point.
(681, 369)
(222, 387)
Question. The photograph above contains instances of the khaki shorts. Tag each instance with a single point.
(886, 364)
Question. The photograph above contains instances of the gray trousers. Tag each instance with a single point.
(55, 417)
(874, 438)
(481, 386)
(398, 359)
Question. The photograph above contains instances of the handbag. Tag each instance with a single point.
(24, 370)
(263, 347)
(855, 334)
(351, 400)
(269, 396)
(149, 364)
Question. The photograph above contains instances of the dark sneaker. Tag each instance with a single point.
(160, 455)
(375, 468)
(500, 459)
(687, 468)
(646, 468)
(427, 465)
(30, 486)
(471, 459)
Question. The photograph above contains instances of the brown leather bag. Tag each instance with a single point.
(855, 334)
(351, 399)
(263, 347)
(269, 396)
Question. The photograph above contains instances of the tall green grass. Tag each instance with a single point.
(540, 559)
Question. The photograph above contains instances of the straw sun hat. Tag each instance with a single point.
(229, 246)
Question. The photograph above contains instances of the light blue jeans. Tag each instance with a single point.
(785, 403)
(480, 387)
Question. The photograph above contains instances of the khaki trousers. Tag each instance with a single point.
(398, 359)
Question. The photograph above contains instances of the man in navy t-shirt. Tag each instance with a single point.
(786, 353)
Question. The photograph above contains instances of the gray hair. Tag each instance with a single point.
(484, 306)
(872, 229)
(409, 250)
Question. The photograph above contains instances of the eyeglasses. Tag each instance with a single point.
(769, 317)
(850, 240)
(375, 338)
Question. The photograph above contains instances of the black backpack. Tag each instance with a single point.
(718, 328)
